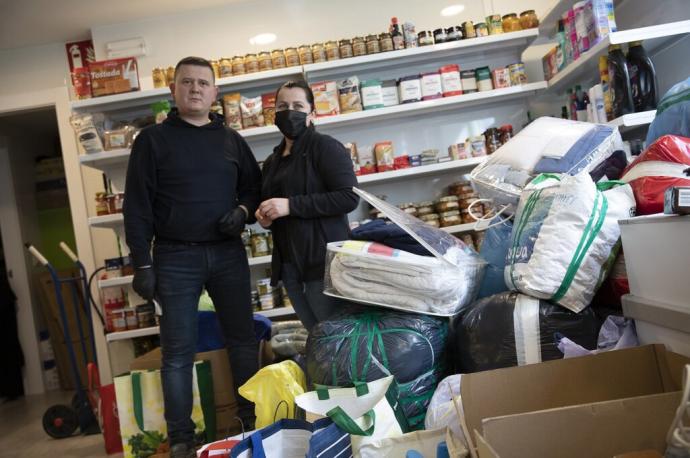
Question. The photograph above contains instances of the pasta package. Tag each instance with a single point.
(231, 108)
(252, 113)
(349, 95)
(268, 101)
(326, 98)
(385, 156)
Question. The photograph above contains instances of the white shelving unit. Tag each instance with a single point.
(113, 221)
(117, 281)
(632, 120)
(402, 174)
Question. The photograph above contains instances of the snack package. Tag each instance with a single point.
(231, 108)
(252, 113)
(160, 110)
(352, 147)
(367, 162)
(268, 102)
(86, 132)
(114, 76)
(326, 98)
(349, 96)
(385, 157)
(118, 139)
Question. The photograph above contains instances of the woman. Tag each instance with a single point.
(307, 194)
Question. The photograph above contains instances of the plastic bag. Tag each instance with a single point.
(494, 250)
(565, 234)
(659, 167)
(616, 333)
(442, 412)
(672, 113)
(252, 113)
(273, 390)
(547, 145)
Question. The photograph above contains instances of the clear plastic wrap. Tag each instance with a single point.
(371, 344)
(672, 113)
(547, 145)
(374, 274)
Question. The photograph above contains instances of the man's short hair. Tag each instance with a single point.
(198, 61)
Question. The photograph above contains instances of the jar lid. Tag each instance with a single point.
(250, 55)
(238, 57)
(291, 48)
(479, 24)
(316, 45)
(264, 53)
(277, 50)
(467, 73)
(506, 127)
(423, 33)
(510, 15)
(344, 40)
(384, 35)
(439, 31)
(372, 37)
(527, 12)
(466, 23)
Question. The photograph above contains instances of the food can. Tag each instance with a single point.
(318, 51)
(225, 67)
(291, 57)
(265, 61)
(305, 55)
(159, 79)
(481, 29)
(238, 65)
(468, 28)
(494, 24)
(251, 64)
(450, 80)
(517, 74)
(278, 58)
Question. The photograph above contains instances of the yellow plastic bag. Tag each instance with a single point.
(272, 386)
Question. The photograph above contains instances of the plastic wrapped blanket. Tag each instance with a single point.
(548, 145)
(372, 344)
(672, 113)
(565, 235)
(511, 329)
(659, 167)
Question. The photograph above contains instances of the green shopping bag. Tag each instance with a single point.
(141, 410)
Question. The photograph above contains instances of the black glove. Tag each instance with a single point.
(144, 282)
(232, 223)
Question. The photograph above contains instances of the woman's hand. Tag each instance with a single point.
(272, 209)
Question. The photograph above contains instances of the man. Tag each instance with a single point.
(192, 183)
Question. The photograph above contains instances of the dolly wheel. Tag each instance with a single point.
(60, 421)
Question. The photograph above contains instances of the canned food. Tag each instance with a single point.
(305, 56)
(159, 78)
(454, 33)
(517, 73)
(225, 67)
(259, 245)
(291, 57)
(359, 46)
(528, 19)
(251, 64)
(265, 62)
(318, 51)
(278, 58)
(238, 65)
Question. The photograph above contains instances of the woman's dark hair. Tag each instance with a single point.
(302, 85)
(198, 61)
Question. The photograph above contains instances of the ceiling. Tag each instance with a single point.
(36, 22)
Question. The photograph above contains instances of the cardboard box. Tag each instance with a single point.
(522, 391)
(114, 76)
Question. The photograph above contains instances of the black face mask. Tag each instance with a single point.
(291, 123)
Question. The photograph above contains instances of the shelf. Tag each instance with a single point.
(267, 79)
(422, 170)
(155, 330)
(105, 159)
(586, 68)
(411, 56)
(117, 281)
(629, 121)
(459, 228)
(432, 106)
(107, 221)
(260, 260)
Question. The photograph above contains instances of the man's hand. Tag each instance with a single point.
(144, 282)
(232, 223)
(264, 222)
(272, 209)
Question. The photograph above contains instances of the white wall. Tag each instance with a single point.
(34, 68)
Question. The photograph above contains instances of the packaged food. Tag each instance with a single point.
(232, 110)
(158, 76)
(457, 152)
(500, 77)
(259, 244)
(494, 24)
(118, 139)
(386, 42)
(263, 286)
(389, 92)
(225, 67)
(102, 207)
(385, 156)
(469, 81)
(160, 110)
(401, 162)
(352, 148)
(332, 50)
(528, 19)
(451, 218)
(305, 55)
(410, 35)
(291, 57)
(326, 98)
(367, 161)
(517, 74)
(349, 96)
(415, 160)
(81, 82)
(252, 112)
(118, 320)
(478, 146)
(454, 33)
(216, 68)
(251, 63)
(425, 38)
(511, 23)
(410, 89)
(481, 29)
(87, 135)
(373, 44)
(345, 48)
(372, 94)
(440, 36)
(170, 75)
(131, 318)
(127, 267)
(483, 76)
(359, 46)
(493, 139)
(217, 107)
(506, 132)
(468, 28)
(423, 210)
(146, 315)
(268, 104)
(450, 80)
(467, 240)
(265, 61)
(677, 200)
(114, 76)
(318, 52)
(447, 203)
(278, 58)
(431, 86)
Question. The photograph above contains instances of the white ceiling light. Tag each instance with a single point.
(263, 39)
(452, 10)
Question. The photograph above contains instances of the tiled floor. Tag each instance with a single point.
(22, 435)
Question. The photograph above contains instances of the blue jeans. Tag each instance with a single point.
(308, 299)
(181, 273)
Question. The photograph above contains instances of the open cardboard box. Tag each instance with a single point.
(600, 405)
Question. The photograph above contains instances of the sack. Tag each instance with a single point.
(494, 251)
(565, 235)
(672, 113)
(547, 145)
(369, 411)
(511, 329)
(442, 412)
(372, 344)
(424, 442)
(140, 408)
(273, 390)
(616, 333)
(658, 168)
(294, 439)
(106, 410)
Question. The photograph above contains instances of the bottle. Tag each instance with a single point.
(564, 112)
(572, 96)
(643, 80)
(581, 101)
(398, 38)
(619, 83)
(604, 78)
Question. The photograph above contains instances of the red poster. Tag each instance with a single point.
(79, 54)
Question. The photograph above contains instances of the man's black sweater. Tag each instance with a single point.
(181, 179)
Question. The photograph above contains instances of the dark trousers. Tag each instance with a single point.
(310, 303)
(181, 273)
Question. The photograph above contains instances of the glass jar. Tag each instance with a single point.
(454, 33)
(251, 63)
(265, 62)
(238, 65)
(373, 44)
(216, 68)
(225, 67)
(305, 56)
(102, 207)
(345, 48)
(170, 75)
(493, 139)
(278, 58)
(425, 38)
(481, 30)
(511, 23)
(529, 19)
(159, 77)
(494, 24)
(359, 46)
(506, 132)
(440, 36)
(386, 42)
(318, 52)
(291, 57)
(468, 28)
(259, 244)
(332, 50)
